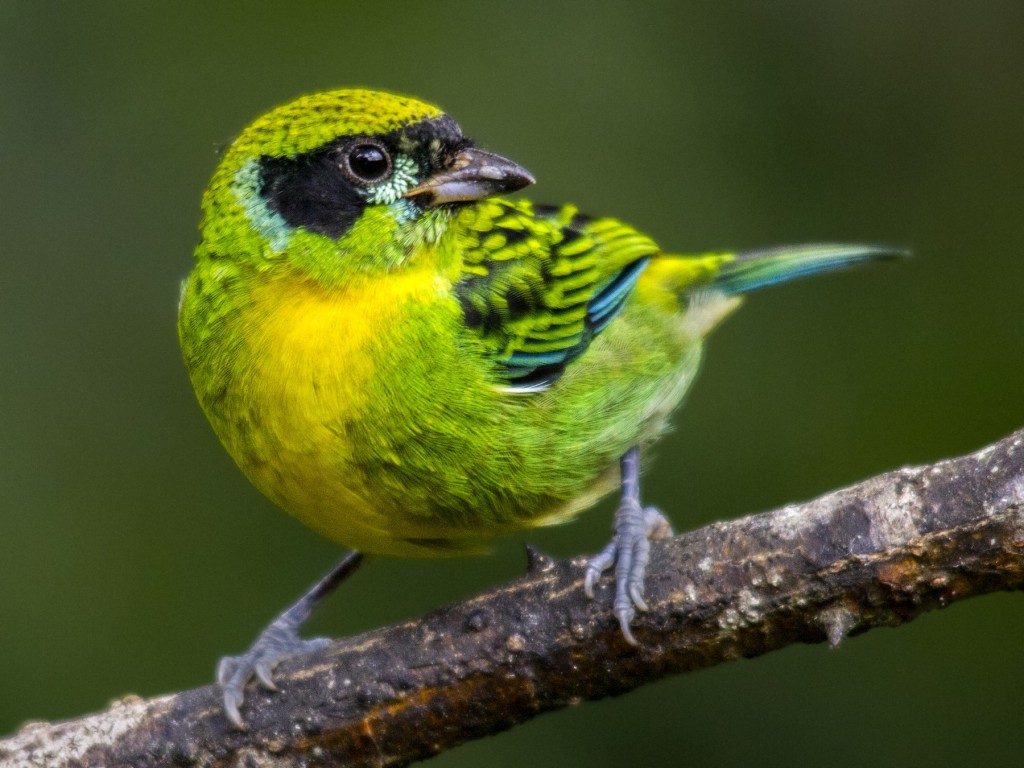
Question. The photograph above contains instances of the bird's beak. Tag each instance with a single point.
(473, 175)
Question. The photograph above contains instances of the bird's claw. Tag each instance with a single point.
(278, 642)
(629, 551)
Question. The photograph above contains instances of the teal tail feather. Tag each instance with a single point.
(751, 270)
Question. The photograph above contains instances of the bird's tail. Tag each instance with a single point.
(750, 270)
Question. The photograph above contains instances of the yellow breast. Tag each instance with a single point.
(312, 357)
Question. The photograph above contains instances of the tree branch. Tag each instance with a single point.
(876, 554)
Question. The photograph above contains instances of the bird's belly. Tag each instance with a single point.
(369, 420)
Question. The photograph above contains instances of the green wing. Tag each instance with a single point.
(539, 283)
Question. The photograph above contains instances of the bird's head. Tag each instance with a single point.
(346, 181)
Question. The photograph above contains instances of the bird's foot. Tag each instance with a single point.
(279, 641)
(629, 550)
(276, 643)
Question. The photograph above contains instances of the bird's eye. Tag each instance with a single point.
(367, 162)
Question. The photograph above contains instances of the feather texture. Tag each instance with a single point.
(540, 283)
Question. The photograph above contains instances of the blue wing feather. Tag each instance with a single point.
(608, 302)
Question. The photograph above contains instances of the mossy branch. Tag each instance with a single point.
(875, 554)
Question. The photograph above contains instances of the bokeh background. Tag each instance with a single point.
(133, 553)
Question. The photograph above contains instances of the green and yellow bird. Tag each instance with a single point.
(409, 363)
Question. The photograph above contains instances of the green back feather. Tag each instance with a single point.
(539, 283)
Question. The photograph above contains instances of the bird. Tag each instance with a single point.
(411, 362)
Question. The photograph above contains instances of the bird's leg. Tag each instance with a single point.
(630, 546)
(279, 641)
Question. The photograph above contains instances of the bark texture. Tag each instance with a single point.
(876, 554)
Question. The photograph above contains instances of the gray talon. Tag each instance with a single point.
(263, 674)
(636, 594)
(627, 633)
(225, 668)
(598, 565)
(277, 642)
(231, 710)
(630, 549)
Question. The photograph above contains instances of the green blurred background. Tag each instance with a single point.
(133, 553)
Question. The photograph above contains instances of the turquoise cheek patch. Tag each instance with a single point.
(269, 224)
